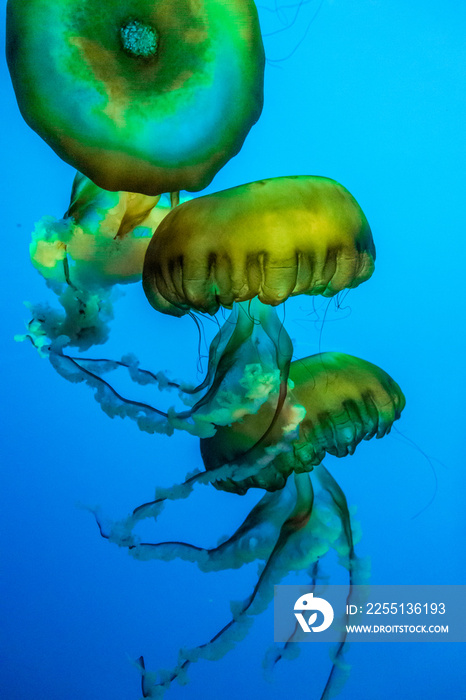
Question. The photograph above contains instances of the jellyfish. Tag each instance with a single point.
(103, 236)
(346, 400)
(272, 239)
(144, 96)
(258, 244)
(99, 243)
(264, 422)
(310, 237)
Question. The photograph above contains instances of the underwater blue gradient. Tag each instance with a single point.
(373, 97)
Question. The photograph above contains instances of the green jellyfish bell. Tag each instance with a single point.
(145, 96)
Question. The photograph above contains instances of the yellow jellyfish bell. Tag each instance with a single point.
(272, 239)
(345, 400)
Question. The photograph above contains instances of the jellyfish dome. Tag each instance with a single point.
(273, 239)
(143, 96)
(346, 400)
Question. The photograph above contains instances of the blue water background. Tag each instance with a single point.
(373, 97)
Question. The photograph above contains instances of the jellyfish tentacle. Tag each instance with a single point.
(254, 539)
(140, 376)
(248, 362)
(238, 337)
(282, 353)
(239, 329)
(356, 573)
(217, 348)
(290, 648)
(226, 397)
(256, 602)
(110, 400)
(121, 532)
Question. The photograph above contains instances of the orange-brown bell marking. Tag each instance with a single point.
(272, 239)
(146, 96)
